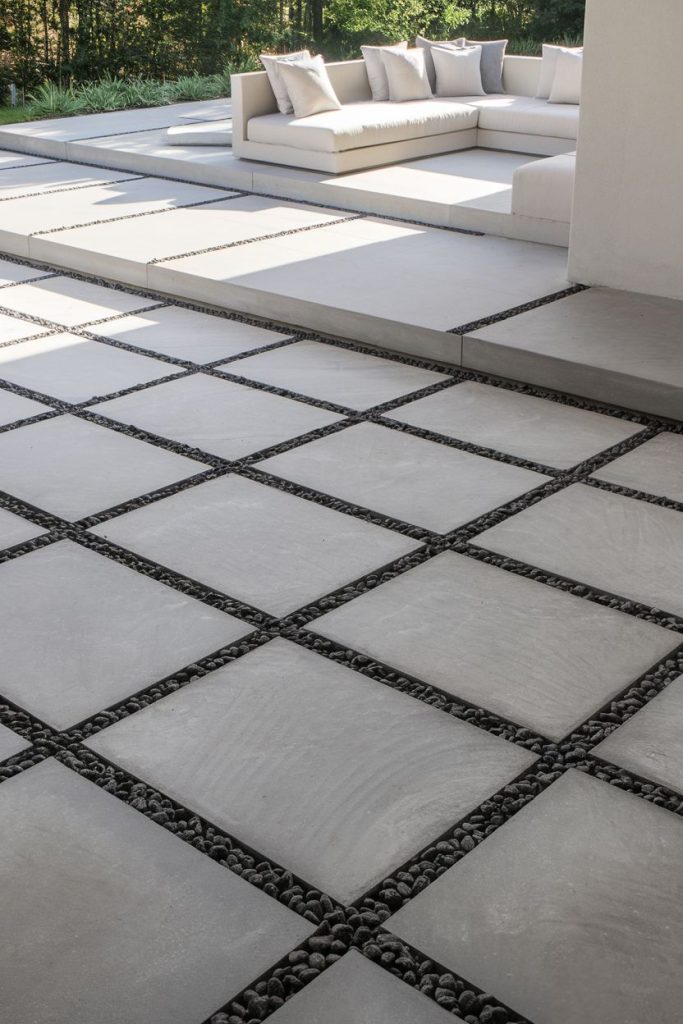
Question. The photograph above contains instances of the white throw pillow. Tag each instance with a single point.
(426, 45)
(548, 65)
(407, 75)
(566, 86)
(270, 62)
(309, 86)
(377, 76)
(458, 70)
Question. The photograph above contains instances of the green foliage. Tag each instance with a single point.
(51, 100)
(109, 93)
(120, 47)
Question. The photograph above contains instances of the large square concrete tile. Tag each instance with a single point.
(70, 302)
(51, 177)
(521, 649)
(263, 546)
(75, 369)
(651, 743)
(14, 273)
(185, 334)
(216, 415)
(418, 481)
(569, 913)
(358, 781)
(10, 743)
(15, 407)
(356, 991)
(622, 545)
(656, 467)
(532, 428)
(183, 232)
(615, 346)
(386, 282)
(131, 630)
(106, 917)
(353, 379)
(15, 530)
(22, 218)
(13, 329)
(73, 468)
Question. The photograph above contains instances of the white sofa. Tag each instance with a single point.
(367, 134)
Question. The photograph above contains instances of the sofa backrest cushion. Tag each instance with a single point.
(458, 70)
(548, 66)
(407, 75)
(566, 87)
(377, 75)
(426, 45)
(270, 63)
(492, 56)
(309, 86)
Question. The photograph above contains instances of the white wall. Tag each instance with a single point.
(627, 222)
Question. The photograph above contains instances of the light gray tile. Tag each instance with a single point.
(14, 273)
(10, 743)
(106, 917)
(75, 369)
(74, 468)
(33, 216)
(46, 177)
(70, 302)
(521, 649)
(622, 545)
(13, 329)
(569, 913)
(356, 991)
(263, 546)
(193, 229)
(615, 346)
(15, 530)
(655, 467)
(9, 160)
(330, 773)
(80, 632)
(651, 743)
(509, 421)
(15, 407)
(186, 334)
(419, 481)
(335, 374)
(216, 415)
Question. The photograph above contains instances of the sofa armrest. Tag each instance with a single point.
(252, 96)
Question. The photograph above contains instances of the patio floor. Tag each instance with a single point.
(470, 189)
(465, 298)
(338, 686)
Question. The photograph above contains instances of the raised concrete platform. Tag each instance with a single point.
(470, 190)
(411, 288)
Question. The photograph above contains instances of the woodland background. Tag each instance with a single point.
(72, 41)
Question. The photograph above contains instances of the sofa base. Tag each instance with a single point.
(518, 142)
(357, 159)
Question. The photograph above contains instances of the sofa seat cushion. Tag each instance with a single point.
(358, 125)
(527, 115)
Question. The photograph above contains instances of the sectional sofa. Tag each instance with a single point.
(367, 134)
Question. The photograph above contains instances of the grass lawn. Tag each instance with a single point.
(12, 115)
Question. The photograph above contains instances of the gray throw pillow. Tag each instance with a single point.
(492, 54)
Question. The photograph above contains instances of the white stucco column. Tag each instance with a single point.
(627, 222)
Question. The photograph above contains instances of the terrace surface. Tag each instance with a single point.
(470, 299)
(338, 686)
